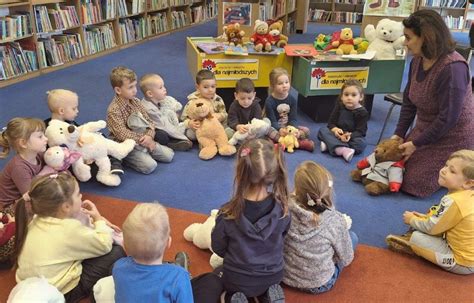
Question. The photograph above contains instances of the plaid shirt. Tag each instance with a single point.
(117, 115)
(218, 107)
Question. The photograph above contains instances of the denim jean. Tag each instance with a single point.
(143, 161)
(337, 271)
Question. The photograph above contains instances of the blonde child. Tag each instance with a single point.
(206, 88)
(279, 94)
(251, 227)
(64, 106)
(125, 108)
(318, 234)
(143, 276)
(162, 109)
(344, 135)
(71, 256)
(445, 236)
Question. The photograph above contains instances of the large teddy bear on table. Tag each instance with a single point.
(200, 235)
(385, 39)
(93, 147)
(382, 171)
(275, 29)
(346, 42)
(211, 134)
(261, 38)
(257, 129)
(234, 34)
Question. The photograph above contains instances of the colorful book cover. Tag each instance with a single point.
(235, 50)
(273, 52)
(300, 50)
(211, 47)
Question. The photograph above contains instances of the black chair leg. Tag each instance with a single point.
(385, 123)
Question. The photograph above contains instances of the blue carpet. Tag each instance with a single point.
(189, 183)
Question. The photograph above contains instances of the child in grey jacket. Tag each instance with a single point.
(319, 235)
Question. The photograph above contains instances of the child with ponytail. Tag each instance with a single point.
(318, 244)
(55, 245)
(251, 227)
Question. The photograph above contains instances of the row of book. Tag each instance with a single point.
(178, 19)
(157, 23)
(347, 17)
(444, 3)
(319, 15)
(99, 38)
(91, 11)
(454, 22)
(59, 49)
(132, 29)
(179, 2)
(157, 4)
(197, 14)
(350, 1)
(16, 61)
(55, 18)
(211, 8)
(15, 26)
(130, 7)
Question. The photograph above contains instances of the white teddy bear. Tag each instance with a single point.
(385, 39)
(200, 235)
(257, 129)
(93, 147)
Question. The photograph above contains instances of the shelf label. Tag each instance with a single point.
(232, 69)
(334, 77)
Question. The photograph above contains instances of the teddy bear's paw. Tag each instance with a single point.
(208, 152)
(233, 141)
(216, 261)
(108, 179)
(81, 171)
(120, 150)
(376, 188)
(356, 175)
(189, 232)
(227, 150)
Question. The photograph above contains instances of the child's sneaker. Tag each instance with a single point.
(323, 146)
(348, 154)
(274, 294)
(182, 259)
(182, 145)
(116, 167)
(399, 243)
(306, 144)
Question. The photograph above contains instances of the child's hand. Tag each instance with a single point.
(147, 142)
(346, 137)
(111, 225)
(194, 124)
(89, 208)
(407, 216)
(242, 128)
(283, 132)
(337, 132)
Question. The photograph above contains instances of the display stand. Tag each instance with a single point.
(229, 69)
(318, 82)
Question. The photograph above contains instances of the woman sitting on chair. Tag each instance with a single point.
(439, 94)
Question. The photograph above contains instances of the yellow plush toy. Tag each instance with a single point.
(290, 141)
(345, 44)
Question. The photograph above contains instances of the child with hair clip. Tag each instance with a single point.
(71, 256)
(344, 135)
(318, 235)
(251, 227)
(281, 108)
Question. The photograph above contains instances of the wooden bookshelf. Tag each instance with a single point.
(80, 30)
(293, 13)
(336, 11)
(457, 14)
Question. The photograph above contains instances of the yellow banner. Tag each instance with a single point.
(232, 69)
(334, 77)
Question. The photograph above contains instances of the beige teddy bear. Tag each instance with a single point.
(290, 141)
(275, 29)
(211, 134)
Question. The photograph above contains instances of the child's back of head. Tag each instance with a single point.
(146, 232)
(18, 129)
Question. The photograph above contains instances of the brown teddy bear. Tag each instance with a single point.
(345, 44)
(382, 171)
(211, 134)
(234, 34)
(261, 38)
(275, 29)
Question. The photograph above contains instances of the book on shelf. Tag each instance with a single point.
(328, 56)
(211, 47)
(15, 26)
(157, 23)
(197, 14)
(122, 8)
(300, 50)
(15, 61)
(109, 8)
(91, 11)
(235, 50)
(99, 38)
(178, 19)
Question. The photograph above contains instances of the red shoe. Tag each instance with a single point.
(306, 144)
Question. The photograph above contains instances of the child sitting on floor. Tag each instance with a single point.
(344, 135)
(64, 106)
(162, 109)
(71, 256)
(206, 88)
(318, 230)
(279, 97)
(445, 236)
(251, 227)
(126, 107)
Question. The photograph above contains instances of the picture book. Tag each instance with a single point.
(300, 50)
(274, 51)
(211, 47)
(235, 50)
(328, 56)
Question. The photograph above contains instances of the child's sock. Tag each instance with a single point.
(306, 144)
(323, 146)
(345, 152)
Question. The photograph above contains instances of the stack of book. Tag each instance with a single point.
(15, 26)
(99, 38)
(16, 60)
(59, 49)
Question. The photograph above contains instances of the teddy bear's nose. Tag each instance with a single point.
(71, 129)
(199, 104)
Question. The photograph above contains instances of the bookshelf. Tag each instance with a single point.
(336, 11)
(457, 14)
(291, 12)
(40, 36)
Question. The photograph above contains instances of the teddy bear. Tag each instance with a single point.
(92, 146)
(261, 38)
(200, 235)
(385, 39)
(290, 141)
(275, 30)
(345, 44)
(283, 110)
(258, 128)
(58, 159)
(234, 34)
(382, 171)
(211, 134)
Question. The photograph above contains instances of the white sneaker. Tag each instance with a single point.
(348, 155)
(323, 146)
